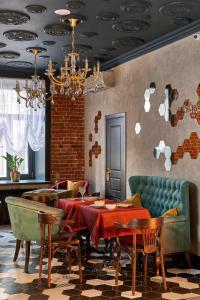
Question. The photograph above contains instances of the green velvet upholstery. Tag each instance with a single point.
(160, 194)
(24, 218)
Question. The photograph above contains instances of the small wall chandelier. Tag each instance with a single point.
(34, 94)
(72, 79)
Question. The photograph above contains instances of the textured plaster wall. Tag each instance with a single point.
(177, 64)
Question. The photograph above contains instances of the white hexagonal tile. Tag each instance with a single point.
(179, 271)
(147, 95)
(147, 106)
(95, 261)
(111, 282)
(20, 296)
(137, 128)
(161, 146)
(168, 164)
(177, 296)
(91, 293)
(161, 110)
(95, 282)
(129, 295)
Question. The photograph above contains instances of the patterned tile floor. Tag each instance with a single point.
(98, 276)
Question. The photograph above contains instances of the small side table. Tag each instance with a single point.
(47, 196)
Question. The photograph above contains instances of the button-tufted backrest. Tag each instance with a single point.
(160, 194)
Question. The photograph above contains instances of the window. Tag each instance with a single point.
(22, 130)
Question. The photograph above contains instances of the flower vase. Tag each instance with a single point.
(15, 176)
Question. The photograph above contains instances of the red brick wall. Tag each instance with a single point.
(67, 138)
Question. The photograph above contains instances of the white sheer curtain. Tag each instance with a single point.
(19, 126)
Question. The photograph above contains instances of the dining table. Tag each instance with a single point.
(99, 221)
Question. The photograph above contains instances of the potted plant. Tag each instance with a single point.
(14, 162)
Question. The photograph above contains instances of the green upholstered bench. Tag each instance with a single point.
(23, 215)
(160, 194)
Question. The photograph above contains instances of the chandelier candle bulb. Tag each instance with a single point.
(86, 64)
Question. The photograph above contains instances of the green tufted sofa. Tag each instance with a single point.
(160, 194)
(23, 215)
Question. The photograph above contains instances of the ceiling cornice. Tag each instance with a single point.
(153, 45)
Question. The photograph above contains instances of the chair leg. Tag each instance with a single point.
(188, 259)
(145, 266)
(79, 263)
(27, 255)
(69, 259)
(134, 264)
(157, 264)
(163, 270)
(49, 265)
(41, 260)
(117, 264)
(133, 271)
(17, 248)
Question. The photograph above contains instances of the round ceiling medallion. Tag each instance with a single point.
(179, 9)
(127, 42)
(81, 19)
(131, 26)
(20, 64)
(107, 49)
(2, 45)
(57, 29)
(20, 35)
(48, 43)
(181, 21)
(75, 5)
(36, 9)
(136, 6)
(10, 17)
(107, 16)
(39, 49)
(80, 48)
(88, 34)
(9, 54)
(44, 56)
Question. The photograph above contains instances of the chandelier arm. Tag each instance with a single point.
(56, 81)
(24, 98)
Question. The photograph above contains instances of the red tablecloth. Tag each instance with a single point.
(100, 221)
(71, 207)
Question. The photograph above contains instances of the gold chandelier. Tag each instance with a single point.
(34, 94)
(72, 79)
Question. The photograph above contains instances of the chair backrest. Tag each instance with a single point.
(23, 215)
(160, 194)
(151, 230)
(49, 221)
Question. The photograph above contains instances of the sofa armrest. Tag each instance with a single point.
(169, 220)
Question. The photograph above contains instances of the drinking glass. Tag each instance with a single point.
(82, 191)
(57, 183)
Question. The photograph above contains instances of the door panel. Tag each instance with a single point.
(115, 156)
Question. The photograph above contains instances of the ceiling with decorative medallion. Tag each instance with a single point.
(107, 29)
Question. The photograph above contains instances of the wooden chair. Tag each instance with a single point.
(54, 242)
(146, 238)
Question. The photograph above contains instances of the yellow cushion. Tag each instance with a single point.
(135, 200)
(74, 187)
(173, 212)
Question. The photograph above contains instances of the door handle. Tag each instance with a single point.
(108, 174)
